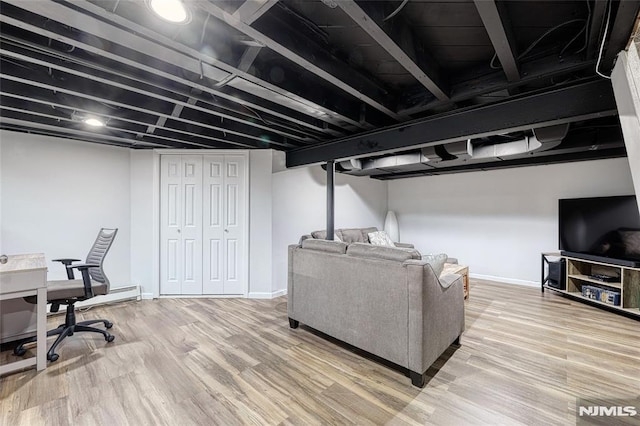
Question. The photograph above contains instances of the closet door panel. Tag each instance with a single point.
(213, 229)
(234, 224)
(170, 225)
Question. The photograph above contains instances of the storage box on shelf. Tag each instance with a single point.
(603, 284)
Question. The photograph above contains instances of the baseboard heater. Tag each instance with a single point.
(120, 294)
(20, 319)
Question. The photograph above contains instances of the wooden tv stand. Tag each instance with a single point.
(579, 273)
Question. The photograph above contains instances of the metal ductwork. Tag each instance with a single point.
(542, 139)
(353, 164)
(489, 148)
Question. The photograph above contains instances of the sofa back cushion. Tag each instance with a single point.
(327, 246)
(382, 252)
(322, 235)
(356, 235)
(348, 235)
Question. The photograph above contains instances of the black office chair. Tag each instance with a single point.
(67, 292)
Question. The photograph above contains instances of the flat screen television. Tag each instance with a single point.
(605, 229)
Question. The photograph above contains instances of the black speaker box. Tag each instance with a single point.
(557, 274)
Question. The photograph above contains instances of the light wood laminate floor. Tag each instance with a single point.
(524, 359)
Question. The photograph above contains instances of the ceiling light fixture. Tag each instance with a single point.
(94, 122)
(170, 10)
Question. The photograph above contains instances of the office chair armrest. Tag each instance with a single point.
(66, 262)
(86, 279)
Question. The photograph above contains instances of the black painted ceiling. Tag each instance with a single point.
(303, 76)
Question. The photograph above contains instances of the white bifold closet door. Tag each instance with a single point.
(203, 225)
(224, 224)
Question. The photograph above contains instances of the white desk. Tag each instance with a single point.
(26, 275)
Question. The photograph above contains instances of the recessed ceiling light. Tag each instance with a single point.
(171, 10)
(94, 122)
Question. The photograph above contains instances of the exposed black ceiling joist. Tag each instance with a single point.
(398, 42)
(305, 52)
(15, 91)
(620, 30)
(499, 30)
(241, 125)
(251, 10)
(133, 136)
(161, 47)
(539, 69)
(93, 136)
(598, 13)
(567, 104)
(60, 87)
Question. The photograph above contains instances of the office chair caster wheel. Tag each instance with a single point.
(108, 324)
(18, 351)
(110, 338)
(53, 357)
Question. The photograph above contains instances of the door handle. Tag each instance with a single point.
(226, 230)
(179, 231)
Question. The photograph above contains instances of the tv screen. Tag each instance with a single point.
(603, 226)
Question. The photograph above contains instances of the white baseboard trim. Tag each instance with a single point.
(251, 295)
(267, 295)
(201, 296)
(505, 280)
(279, 293)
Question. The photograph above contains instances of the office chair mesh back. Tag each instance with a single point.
(97, 253)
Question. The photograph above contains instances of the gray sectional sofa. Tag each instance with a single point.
(386, 301)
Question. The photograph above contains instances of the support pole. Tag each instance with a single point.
(331, 170)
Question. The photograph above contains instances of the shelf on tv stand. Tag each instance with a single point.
(614, 284)
(577, 272)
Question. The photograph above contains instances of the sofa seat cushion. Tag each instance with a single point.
(382, 252)
(327, 246)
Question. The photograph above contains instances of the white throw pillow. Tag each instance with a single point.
(436, 261)
(380, 238)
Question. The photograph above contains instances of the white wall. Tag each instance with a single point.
(299, 207)
(260, 224)
(57, 193)
(144, 202)
(498, 222)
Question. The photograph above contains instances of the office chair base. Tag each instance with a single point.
(68, 329)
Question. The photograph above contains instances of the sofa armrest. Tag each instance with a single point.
(304, 237)
(404, 245)
(448, 280)
(436, 314)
